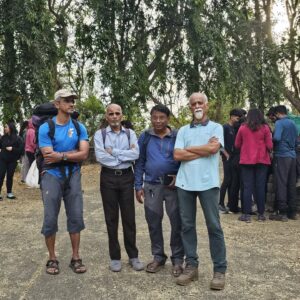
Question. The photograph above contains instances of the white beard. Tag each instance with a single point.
(198, 114)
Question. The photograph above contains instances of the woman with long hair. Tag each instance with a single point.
(254, 140)
(11, 148)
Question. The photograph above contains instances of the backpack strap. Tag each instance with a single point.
(147, 137)
(77, 127)
(103, 132)
(51, 132)
(127, 131)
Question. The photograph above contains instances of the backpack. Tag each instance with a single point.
(103, 132)
(44, 113)
(22, 146)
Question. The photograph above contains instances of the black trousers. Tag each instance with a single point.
(285, 179)
(231, 183)
(118, 194)
(7, 168)
(30, 157)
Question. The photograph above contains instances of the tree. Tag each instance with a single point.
(26, 56)
(291, 52)
(132, 41)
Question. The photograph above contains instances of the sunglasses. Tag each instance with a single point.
(69, 100)
(116, 113)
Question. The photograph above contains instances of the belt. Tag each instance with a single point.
(117, 172)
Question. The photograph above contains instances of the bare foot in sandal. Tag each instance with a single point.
(52, 267)
(77, 266)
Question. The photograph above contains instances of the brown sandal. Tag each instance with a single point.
(52, 264)
(154, 266)
(77, 266)
(177, 270)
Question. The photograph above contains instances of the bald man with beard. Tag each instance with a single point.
(116, 149)
(197, 148)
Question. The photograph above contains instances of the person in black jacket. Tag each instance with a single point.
(230, 158)
(11, 147)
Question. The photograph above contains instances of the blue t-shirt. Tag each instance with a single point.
(65, 139)
(285, 138)
(200, 174)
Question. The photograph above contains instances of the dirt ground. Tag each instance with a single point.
(263, 258)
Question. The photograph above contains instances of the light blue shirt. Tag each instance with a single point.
(122, 155)
(200, 174)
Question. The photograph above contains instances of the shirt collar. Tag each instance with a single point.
(192, 124)
(108, 128)
(171, 133)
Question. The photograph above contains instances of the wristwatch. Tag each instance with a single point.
(64, 157)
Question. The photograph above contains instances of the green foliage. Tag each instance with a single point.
(26, 56)
(138, 51)
(91, 113)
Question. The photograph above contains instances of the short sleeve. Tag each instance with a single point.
(44, 139)
(83, 133)
(179, 143)
(218, 133)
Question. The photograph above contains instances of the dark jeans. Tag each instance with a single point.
(225, 186)
(254, 181)
(187, 207)
(118, 194)
(8, 168)
(231, 183)
(285, 178)
(298, 162)
(155, 196)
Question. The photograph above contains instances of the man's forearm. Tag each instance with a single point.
(204, 150)
(78, 156)
(184, 155)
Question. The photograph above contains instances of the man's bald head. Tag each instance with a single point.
(114, 115)
(198, 95)
(113, 106)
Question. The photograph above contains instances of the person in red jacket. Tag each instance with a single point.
(255, 143)
(30, 144)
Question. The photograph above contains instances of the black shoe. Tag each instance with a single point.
(235, 210)
(292, 216)
(279, 217)
(245, 218)
(223, 209)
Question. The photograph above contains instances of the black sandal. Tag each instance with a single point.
(76, 265)
(52, 264)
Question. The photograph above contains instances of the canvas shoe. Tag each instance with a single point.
(218, 281)
(115, 265)
(136, 264)
(189, 274)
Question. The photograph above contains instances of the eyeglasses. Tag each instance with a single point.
(115, 113)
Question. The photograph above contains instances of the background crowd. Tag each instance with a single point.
(252, 149)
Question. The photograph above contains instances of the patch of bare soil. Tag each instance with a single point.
(263, 258)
